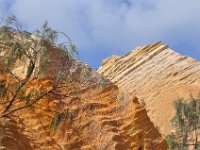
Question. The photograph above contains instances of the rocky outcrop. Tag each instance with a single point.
(157, 75)
(88, 111)
(11, 138)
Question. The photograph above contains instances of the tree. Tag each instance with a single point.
(32, 48)
(187, 124)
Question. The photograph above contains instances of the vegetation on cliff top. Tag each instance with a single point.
(17, 44)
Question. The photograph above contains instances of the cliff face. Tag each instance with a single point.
(92, 113)
(11, 138)
(157, 75)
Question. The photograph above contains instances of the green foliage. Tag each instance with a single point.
(12, 20)
(73, 49)
(33, 95)
(3, 91)
(103, 82)
(171, 141)
(56, 121)
(48, 36)
(65, 115)
(68, 115)
(142, 102)
(85, 72)
(186, 122)
(22, 44)
(28, 98)
(32, 50)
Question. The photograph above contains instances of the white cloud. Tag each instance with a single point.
(114, 24)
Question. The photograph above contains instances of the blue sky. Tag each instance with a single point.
(100, 28)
